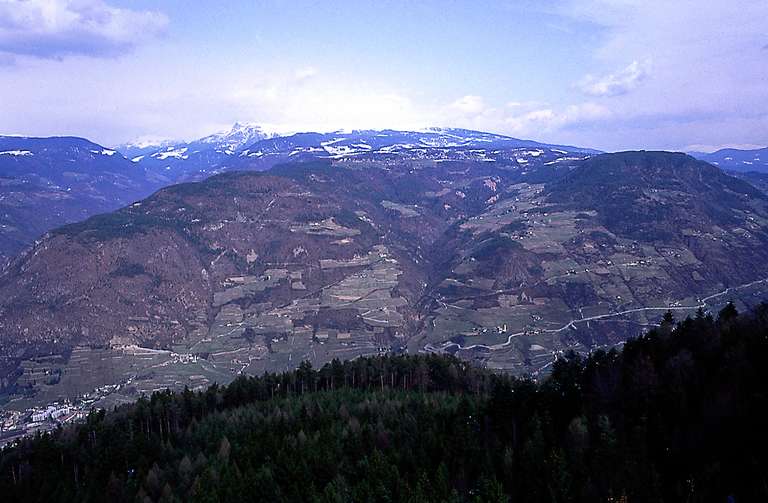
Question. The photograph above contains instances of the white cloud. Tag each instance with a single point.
(539, 121)
(524, 119)
(615, 84)
(53, 29)
(519, 105)
(469, 105)
(707, 82)
(305, 73)
(706, 85)
(285, 103)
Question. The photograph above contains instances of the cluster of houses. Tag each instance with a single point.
(51, 413)
(17, 424)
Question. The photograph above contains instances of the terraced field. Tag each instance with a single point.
(504, 264)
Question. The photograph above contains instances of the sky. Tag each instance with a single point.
(608, 74)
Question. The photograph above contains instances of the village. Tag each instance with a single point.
(16, 424)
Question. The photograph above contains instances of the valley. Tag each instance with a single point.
(449, 252)
(506, 263)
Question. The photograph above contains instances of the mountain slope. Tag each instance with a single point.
(47, 182)
(300, 255)
(655, 195)
(594, 255)
(506, 263)
(757, 180)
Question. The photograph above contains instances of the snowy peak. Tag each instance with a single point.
(143, 146)
(224, 142)
(173, 161)
(236, 138)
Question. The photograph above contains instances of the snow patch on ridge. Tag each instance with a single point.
(17, 153)
(171, 152)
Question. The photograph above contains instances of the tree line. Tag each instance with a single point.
(676, 415)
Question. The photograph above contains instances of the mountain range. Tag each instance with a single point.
(322, 246)
(47, 182)
(248, 147)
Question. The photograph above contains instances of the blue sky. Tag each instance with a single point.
(611, 74)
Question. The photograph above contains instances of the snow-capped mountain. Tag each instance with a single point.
(233, 140)
(248, 146)
(45, 182)
(175, 161)
(438, 144)
(364, 141)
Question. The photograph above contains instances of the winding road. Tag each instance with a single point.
(572, 324)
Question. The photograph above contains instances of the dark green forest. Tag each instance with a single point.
(677, 415)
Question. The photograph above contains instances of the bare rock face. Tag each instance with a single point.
(503, 262)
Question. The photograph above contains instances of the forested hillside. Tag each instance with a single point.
(676, 415)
